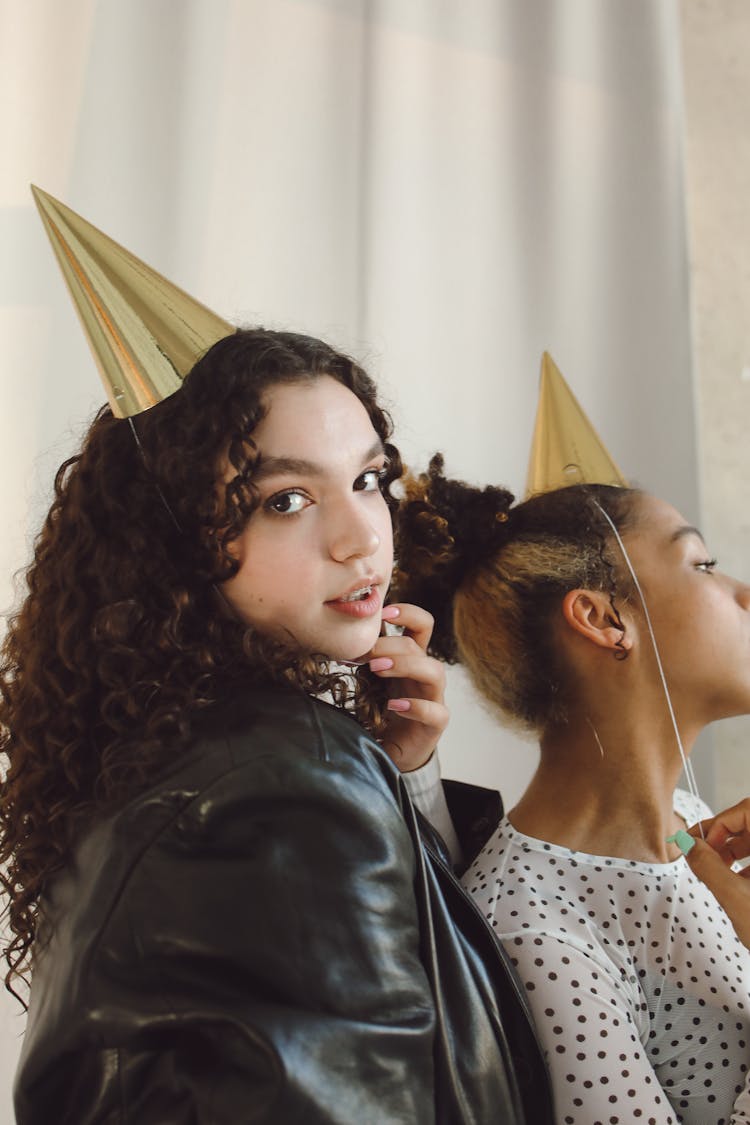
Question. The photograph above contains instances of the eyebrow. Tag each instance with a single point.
(291, 466)
(687, 529)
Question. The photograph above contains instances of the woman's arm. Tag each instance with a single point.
(426, 790)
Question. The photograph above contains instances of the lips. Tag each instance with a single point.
(356, 593)
(362, 600)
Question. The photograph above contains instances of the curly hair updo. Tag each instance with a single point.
(120, 640)
(492, 575)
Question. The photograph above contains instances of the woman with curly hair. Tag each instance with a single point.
(593, 617)
(219, 877)
(229, 906)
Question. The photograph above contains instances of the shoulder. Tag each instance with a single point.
(269, 744)
(533, 892)
(278, 731)
(272, 779)
(267, 756)
(272, 724)
(277, 854)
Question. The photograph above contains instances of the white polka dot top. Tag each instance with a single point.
(638, 984)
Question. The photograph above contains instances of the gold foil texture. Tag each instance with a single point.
(145, 332)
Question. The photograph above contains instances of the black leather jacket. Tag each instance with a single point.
(261, 937)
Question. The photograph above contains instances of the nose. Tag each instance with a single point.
(743, 595)
(352, 533)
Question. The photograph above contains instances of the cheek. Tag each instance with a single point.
(384, 529)
(693, 631)
(265, 594)
(266, 574)
(271, 576)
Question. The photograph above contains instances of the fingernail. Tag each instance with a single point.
(380, 663)
(683, 840)
(389, 612)
(399, 705)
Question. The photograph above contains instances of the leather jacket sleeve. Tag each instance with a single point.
(260, 962)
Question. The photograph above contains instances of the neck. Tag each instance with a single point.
(605, 785)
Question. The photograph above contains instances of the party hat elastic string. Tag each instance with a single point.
(686, 764)
(155, 483)
(219, 592)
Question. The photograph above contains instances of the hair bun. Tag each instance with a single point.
(444, 528)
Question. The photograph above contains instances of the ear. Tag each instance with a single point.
(589, 614)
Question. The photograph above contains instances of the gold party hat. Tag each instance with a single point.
(566, 448)
(145, 332)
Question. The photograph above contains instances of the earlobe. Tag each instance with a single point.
(624, 642)
(589, 614)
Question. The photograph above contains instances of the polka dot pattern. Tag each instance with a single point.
(638, 985)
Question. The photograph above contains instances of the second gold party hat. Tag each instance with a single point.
(566, 448)
(145, 332)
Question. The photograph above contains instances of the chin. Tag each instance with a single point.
(354, 649)
(348, 655)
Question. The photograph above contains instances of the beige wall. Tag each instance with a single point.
(716, 53)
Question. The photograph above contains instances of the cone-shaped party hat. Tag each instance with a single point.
(566, 448)
(145, 332)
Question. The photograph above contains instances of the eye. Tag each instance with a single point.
(369, 481)
(707, 565)
(287, 503)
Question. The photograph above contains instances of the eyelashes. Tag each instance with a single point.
(707, 565)
(291, 501)
(286, 503)
(361, 485)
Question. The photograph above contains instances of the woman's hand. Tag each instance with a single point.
(417, 712)
(727, 838)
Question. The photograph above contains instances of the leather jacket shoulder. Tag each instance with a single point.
(254, 939)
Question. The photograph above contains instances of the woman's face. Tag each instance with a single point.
(701, 617)
(316, 555)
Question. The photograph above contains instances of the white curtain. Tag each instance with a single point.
(445, 187)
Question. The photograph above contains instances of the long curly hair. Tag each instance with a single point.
(493, 574)
(121, 641)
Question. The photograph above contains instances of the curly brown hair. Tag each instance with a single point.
(120, 640)
(492, 574)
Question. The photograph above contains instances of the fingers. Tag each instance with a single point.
(413, 731)
(731, 890)
(403, 658)
(728, 832)
(711, 870)
(417, 622)
(426, 676)
(417, 712)
(417, 692)
(430, 714)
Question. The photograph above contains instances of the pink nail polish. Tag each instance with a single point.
(399, 705)
(380, 664)
(390, 612)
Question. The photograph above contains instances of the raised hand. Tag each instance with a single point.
(727, 839)
(417, 712)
